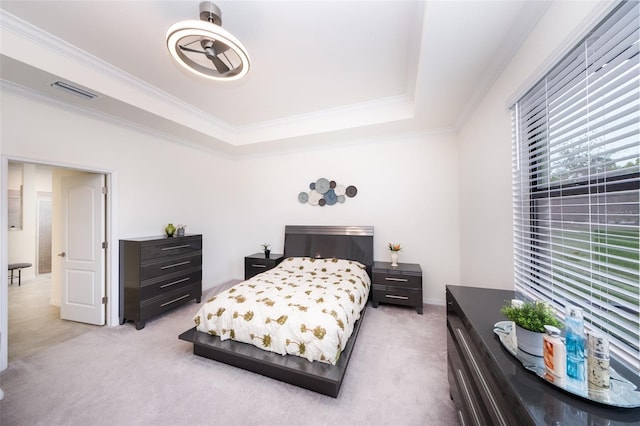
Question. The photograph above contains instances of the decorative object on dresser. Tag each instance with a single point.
(530, 319)
(158, 274)
(170, 230)
(400, 285)
(265, 249)
(489, 385)
(394, 248)
(259, 262)
(181, 230)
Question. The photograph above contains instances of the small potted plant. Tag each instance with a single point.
(267, 252)
(181, 229)
(395, 248)
(530, 319)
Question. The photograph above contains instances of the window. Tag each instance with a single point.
(576, 168)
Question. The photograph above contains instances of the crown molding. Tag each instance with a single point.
(142, 95)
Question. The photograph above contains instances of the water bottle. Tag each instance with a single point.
(574, 338)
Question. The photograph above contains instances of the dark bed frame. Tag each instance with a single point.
(344, 242)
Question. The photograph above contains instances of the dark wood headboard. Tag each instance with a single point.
(344, 242)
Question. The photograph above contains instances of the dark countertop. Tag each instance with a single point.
(546, 404)
(401, 269)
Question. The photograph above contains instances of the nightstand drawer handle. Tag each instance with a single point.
(174, 300)
(176, 264)
(176, 247)
(402, 280)
(175, 282)
(258, 266)
(391, 296)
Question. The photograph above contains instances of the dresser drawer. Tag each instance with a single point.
(397, 295)
(169, 283)
(171, 265)
(170, 247)
(408, 281)
(170, 300)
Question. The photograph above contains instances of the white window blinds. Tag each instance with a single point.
(576, 168)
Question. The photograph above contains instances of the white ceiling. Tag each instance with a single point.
(320, 70)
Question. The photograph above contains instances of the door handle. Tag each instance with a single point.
(63, 254)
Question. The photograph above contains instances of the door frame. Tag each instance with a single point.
(111, 254)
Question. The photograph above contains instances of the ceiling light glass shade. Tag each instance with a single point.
(184, 38)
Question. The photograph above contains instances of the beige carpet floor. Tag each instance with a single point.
(121, 376)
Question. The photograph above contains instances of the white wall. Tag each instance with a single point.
(157, 181)
(407, 190)
(485, 147)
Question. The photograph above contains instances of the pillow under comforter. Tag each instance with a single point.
(304, 306)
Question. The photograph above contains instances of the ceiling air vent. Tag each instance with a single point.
(74, 90)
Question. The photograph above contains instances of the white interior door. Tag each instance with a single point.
(82, 257)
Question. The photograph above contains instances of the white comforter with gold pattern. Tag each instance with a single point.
(304, 306)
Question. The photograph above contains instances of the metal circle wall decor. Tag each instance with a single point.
(324, 192)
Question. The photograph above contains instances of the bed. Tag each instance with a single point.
(351, 243)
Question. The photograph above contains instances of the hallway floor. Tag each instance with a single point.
(35, 324)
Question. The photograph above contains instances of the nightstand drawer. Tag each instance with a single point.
(397, 295)
(257, 263)
(170, 247)
(408, 281)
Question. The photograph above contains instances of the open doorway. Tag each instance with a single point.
(49, 208)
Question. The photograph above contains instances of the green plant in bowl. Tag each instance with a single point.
(531, 316)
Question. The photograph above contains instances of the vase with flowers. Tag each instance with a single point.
(181, 230)
(394, 248)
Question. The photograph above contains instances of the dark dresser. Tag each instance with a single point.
(158, 274)
(257, 263)
(490, 387)
(400, 285)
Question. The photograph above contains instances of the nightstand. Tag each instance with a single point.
(257, 263)
(400, 285)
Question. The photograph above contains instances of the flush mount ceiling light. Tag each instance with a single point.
(206, 49)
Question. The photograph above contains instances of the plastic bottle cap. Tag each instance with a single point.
(573, 311)
(552, 331)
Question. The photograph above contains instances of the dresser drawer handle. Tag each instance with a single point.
(483, 382)
(258, 266)
(391, 296)
(176, 247)
(175, 282)
(174, 300)
(402, 280)
(176, 264)
(461, 418)
(467, 395)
